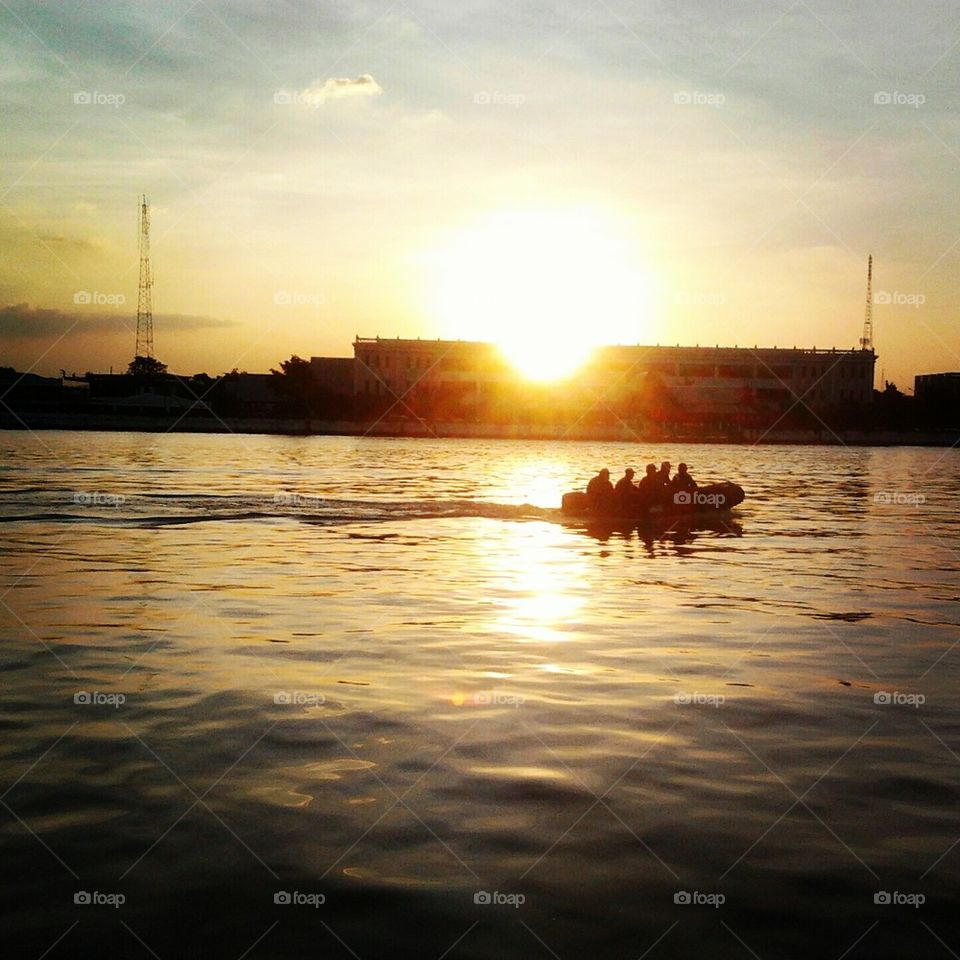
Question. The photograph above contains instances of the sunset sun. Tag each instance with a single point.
(547, 286)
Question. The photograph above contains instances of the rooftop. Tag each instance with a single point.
(480, 344)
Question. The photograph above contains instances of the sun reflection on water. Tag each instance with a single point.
(538, 591)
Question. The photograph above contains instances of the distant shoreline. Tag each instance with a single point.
(413, 429)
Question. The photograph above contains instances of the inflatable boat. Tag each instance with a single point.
(710, 500)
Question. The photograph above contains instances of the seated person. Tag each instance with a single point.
(683, 480)
(600, 491)
(625, 491)
(648, 489)
(664, 476)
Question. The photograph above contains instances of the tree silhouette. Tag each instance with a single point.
(146, 367)
(296, 385)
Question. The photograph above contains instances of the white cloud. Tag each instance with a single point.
(335, 88)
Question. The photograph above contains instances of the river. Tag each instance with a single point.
(271, 696)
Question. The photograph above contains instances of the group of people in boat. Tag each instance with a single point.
(656, 487)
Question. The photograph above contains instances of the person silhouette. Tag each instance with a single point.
(625, 491)
(683, 480)
(600, 491)
(648, 489)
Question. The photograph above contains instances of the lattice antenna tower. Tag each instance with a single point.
(866, 341)
(145, 297)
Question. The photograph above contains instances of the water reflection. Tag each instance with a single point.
(676, 531)
(538, 589)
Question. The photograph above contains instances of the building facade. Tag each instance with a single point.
(937, 388)
(335, 374)
(675, 383)
(390, 367)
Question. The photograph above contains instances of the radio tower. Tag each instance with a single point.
(866, 341)
(144, 298)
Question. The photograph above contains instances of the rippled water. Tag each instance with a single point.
(388, 673)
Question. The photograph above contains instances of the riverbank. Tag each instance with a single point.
(470, 431)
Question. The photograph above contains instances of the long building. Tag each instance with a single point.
(720, 384)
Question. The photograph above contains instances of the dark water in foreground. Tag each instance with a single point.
(384, 674)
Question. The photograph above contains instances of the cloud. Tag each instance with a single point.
(336, 88)
(20, 320)
(70, 243)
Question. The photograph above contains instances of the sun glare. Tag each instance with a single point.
(548, 286)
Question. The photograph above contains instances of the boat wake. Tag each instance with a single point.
(165, 509)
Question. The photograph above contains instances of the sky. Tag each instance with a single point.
(582, 171)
